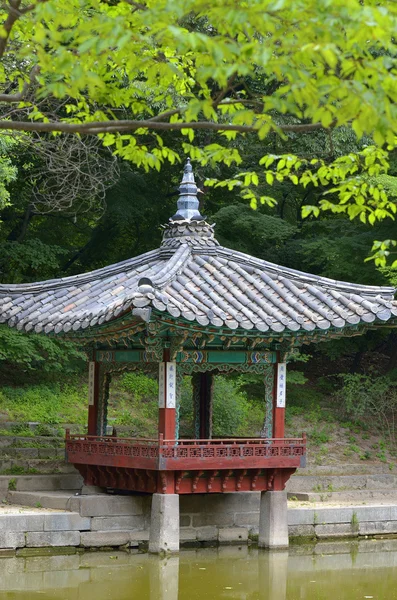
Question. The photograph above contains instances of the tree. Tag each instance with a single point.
(129, 71)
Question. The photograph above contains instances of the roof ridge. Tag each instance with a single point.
(171, 267)
(80, 278)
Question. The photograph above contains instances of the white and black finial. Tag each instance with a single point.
(188, 204)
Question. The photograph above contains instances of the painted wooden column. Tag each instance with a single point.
(93, 397)
(279, 400)
(269, 382)
(203, 384)
(167, 398)
(98, 398)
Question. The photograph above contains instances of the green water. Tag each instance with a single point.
(339, 571)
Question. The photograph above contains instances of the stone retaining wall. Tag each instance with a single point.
(105, 520)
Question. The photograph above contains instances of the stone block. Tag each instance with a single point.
(377, 527)
(25, 522)
(12, 539)
(187, 534)
(232, 535)
(373, 513)
(207, 534)
(37, 539)
(106, 505)
(139, 536)
(335, 530)
(47, 452)
(300, 516)
(301, 531)
(117, 523)
(91, 539)
(185, 520)
(250, 519)
(164, 523)
(205, 519)
(66, 522)
(334, 515)
(27, 452)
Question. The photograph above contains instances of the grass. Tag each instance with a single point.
(18, 470)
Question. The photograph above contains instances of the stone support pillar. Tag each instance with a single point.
(273, 520)
(164, 524)
(202, 403)
(167, 398)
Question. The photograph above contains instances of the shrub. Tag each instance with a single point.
(141, 386)
(370, 397)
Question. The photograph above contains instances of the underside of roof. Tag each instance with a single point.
(192, 278)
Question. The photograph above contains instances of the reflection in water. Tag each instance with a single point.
(272, 575)
(341, 570)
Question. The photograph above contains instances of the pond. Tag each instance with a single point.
(337, 570)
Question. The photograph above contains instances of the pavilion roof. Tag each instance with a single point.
(192, 277)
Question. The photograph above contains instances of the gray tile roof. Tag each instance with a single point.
(191, 277)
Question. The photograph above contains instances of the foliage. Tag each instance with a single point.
(48, 404)
(256, 71)
(29, 261)
(33, 351)
(254, 233)
(371, 397)
(140, 385)
(233, 413)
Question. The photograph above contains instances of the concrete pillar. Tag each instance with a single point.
(273, 520)
(164, 523)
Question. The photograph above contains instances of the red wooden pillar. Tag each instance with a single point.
(167, 397)
(93, 397)
(280, 375)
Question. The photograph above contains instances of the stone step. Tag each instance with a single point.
(11, 452)
(360, 496)
(56, 482)
(362, 468)
(60, 500)
(13, 466)
(339, 483)
(101, 507)
(15, 440)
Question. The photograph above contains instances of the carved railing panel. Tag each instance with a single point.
(186, 454)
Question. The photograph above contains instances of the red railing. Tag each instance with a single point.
(160, 454)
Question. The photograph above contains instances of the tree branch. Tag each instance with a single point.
(12, 17)
(22, 94)
(96, 127)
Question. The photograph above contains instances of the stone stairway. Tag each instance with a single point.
(32, 455)
(33, 464)
(345, 483)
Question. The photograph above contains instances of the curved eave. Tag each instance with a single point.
(223, 290)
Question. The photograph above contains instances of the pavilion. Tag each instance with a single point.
(193, 307)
